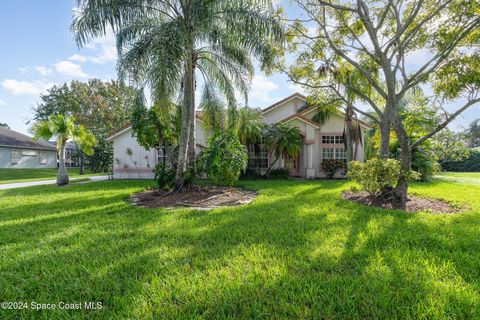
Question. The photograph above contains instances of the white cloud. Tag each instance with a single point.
(44, 71)
(19, 88)
(296, 88)
(261, 87)
(70, 69)
(2, 103)
(104, 47)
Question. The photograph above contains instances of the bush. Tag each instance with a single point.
(250, 174)
(377, 175)
(277, 174)
(164, 176)
(331, 166)
(224, 158)
(470, 164)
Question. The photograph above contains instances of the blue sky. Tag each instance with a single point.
(38, 51)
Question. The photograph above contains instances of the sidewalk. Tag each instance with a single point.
(44, 182)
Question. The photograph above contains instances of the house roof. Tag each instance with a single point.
(127, 126)
(10, 138)
(290, 97)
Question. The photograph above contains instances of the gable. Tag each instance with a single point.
(283, 109)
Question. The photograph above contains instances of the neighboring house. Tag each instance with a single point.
(72, 158)
(131, 161)
(21, 151)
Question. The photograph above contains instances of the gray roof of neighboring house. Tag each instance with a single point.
(12, 138)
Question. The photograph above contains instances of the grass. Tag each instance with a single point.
(464, 177)
(298, 252)
(24, 175)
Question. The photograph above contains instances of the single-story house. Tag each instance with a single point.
(21, 151)
(320, 141)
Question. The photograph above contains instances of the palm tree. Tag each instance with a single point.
(283, 139)
(249, 125)
(163, 44)
(63, 128)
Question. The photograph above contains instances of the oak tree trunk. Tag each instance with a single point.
(400, 192)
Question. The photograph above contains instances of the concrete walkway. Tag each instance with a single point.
(7, 186)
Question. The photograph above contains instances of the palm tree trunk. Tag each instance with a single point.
(188, 91)
(272, 164)
(62, 177)
(191, 137)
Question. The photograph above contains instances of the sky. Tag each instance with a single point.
(38, 52)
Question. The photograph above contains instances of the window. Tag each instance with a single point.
(334, 153)
(332, 139)
(14, 156)
(257, 156)
(42, 156)
(161, 155)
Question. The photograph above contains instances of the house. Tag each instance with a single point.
(131, 161)
(71, 155)
(21, 151)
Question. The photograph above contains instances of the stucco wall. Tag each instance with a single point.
(27, 161)
(282, 111)
(138, 165)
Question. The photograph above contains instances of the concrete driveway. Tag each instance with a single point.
(7, 186)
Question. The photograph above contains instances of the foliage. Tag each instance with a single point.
(331, 166)
(470, 164)
(250, 174)
(224, 157)
(4, 125)
(100, 107)
(320, 248)
(472, 134)
(449, 146)
(249, 125)
(377, 175)
(278, 174)
(164, 176)
(283, 139)
(165, 45)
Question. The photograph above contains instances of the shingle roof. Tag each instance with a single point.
(15, 139)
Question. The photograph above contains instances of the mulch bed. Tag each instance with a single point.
(203, 198)
(414, 203)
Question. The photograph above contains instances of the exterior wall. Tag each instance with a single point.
(200, 135)
(138, 165)
(282, 111)
(27, 161)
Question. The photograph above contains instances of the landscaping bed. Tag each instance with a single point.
(414, 203)
(203, 197)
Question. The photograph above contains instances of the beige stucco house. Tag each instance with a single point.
(131, 161)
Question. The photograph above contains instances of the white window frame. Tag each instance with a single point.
(15, 156)
(262, 158)
(42, 157)
(332, 139)
(334, 153)
(161, 155)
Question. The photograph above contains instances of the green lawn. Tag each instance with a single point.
(464, 177)
(22, 175)
(298, 252)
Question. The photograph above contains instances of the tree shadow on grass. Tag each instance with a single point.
(290, 254)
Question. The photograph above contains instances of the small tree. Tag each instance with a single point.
(283, 139)
(224, 158)
(63, 128)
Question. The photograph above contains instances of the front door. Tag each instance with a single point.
(293, 165)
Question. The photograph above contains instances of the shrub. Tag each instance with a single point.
(164, 176)
(277, 174)
(377, 175)
(224, 158)
(470, 164)
(250, 174)
(331, 166)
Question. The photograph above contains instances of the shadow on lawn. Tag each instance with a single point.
(291, 254)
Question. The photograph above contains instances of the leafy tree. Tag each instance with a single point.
(282, 139)
(63, 128)
(449, 146)
(224, 158)
(99, 106)
(370, 43)
(163, 44)
(4, 125)
(472, 134)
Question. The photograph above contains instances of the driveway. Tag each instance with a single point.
(44, 182)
